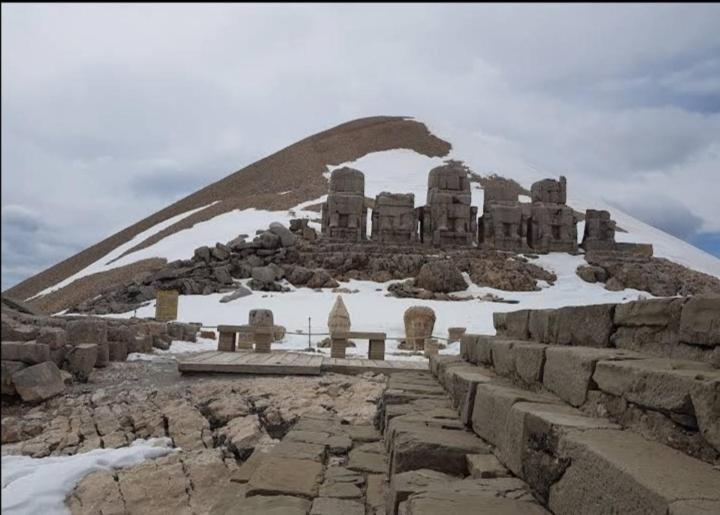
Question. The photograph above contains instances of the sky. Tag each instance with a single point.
(110, 112)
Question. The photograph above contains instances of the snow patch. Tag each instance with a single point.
(40, 485)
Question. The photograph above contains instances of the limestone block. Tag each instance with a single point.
(700, 320)
(38, 382)
(542, 325)
(80, 360)
(485, 466)
(404, 484)
(503, 357)
(649, 312)
(568, 370)
(8, 369)
(621, 472)
(462, 385)
(516, 324)
(286, 476)
(589, 326)
(54, 337)
(30, 353)
(529, 362)
(549, 190)
(86, 331)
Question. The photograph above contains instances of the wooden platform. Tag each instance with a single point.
(289, 363)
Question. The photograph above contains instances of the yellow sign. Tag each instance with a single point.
(166, 305)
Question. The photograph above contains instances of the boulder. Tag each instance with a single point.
(29, 353)
(321, 279)
(299, 275)
(80, 360)
(440, 277)
(38, 382)
(287, 238)
(267, 240)
(220, 252)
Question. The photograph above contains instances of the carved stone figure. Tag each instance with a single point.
(339, 318)
(449, 218)
(344, 215)
(599, 231)
(394, 219)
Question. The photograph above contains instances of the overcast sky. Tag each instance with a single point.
(110, 112)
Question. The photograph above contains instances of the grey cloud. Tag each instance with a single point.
(111, 111)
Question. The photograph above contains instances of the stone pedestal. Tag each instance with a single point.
(244, 341)
(337, 347)
(376, 349)
(431, 348)
(226, 342)
(263, 338)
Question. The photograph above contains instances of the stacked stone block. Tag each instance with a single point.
(344, 215)
(449, 219)
(599, 233)
(394, 219)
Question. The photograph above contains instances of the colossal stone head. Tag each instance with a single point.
(261, 318)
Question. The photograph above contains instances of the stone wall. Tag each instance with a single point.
(680, 328)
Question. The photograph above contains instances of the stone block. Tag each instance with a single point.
(588, 326)
(568, 370)
(700, 320)
(503, 357)
(38, 382)
(53, 337)
(80, 360)
(621, 472)
(436, 449)
(30, 353)
(103, 355)
(18, 333)
(117, 351)
(286, 476)
(332, 506)
(485, 466)
(404, 484)
(516, 325)
(529, 362)
(226, 342)
(462, 385)
(542, 325)
(86, 331)
(649, 312)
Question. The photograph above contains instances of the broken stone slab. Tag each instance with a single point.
(243, 473)
(30, 353)
(332, 506)
(375, 493)
(404, 484)
(340, 490)
(298, 450)
(621, 472)
(485, 466)
(286, 476)
(367, 462)
(437, 449)
(568, 370)
(38, 382)
(265, 504)
(437, 418)
(80, 360)
(467, 503)
(364, 433)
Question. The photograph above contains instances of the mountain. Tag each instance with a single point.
(395, 154)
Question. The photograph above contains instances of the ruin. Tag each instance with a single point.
(545, 225)
(448, 219)
(344, 215)
(599, 233)
(394, 218)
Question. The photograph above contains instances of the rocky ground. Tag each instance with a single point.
(215, 421)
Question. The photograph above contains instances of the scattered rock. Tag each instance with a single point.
(440, 276)
(38, 382)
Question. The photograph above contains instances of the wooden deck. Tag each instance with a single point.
(289, 363)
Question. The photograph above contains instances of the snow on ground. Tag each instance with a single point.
(31, 486)
(372, 310)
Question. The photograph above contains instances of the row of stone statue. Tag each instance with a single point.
(448, 219)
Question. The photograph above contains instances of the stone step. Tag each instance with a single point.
(675, 402)
(431, 452)
(575, 463)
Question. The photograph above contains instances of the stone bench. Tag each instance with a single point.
(376, 346)
(243, 336)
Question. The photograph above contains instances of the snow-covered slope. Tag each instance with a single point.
(370, 308)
